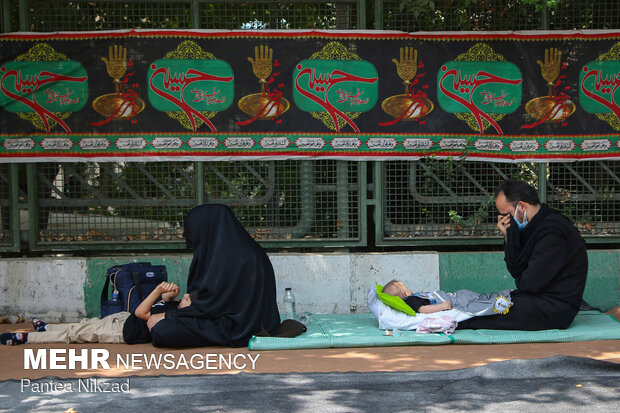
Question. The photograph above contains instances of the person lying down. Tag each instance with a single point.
(467, 301)
(122, 327)
(396, 307)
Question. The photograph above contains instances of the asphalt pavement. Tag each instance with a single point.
(555, 384)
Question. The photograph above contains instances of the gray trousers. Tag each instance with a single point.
(476, 303)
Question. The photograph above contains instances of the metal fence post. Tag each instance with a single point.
(544, 19)
(23, 15)
(377, 201)
(31, 178)
(14, 205)
(6, 16)
(363, 202)
(378, 14)
(199, 179)
(542, 167)
(195, 14)
(342, 185)
(542, 182)
(361, 15)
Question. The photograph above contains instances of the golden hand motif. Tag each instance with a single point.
(550, 69)
(116, 65)
(408, 66)
(261, 64)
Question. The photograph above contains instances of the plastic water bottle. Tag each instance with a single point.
(289, 305)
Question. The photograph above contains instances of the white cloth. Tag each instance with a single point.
(390, 318)
(442, 324)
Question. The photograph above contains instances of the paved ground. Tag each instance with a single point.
(556, 384)
(580, 376)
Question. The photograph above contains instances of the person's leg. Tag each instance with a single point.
(480, 304)
(90, 330)
(105, 330)
(523, 315)
(54, 333)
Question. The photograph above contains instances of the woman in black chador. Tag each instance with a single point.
(235, 284)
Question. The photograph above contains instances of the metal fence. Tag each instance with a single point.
(47, 15)
(111, 205)
(449, 15)
(9, 233)
(75, 206)
(451, 202)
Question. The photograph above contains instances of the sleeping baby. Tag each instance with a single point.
(465, 300)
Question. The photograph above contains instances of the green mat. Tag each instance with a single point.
(361, 330)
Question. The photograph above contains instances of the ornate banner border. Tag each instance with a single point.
(499, 96)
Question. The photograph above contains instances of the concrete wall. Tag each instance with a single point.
(486, 272)
(49, 288)
(66, 289)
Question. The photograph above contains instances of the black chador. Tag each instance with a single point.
(235, 283)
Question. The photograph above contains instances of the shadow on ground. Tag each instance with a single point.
(556, 384)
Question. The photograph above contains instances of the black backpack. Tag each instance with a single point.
(131, 283)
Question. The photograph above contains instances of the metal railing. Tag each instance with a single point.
(77, 206)
(429, 202)
(9, 232)
(448, 202)
(80, 206)
(47, 15)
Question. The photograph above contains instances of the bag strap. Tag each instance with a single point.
(105, 291)
(135, 275)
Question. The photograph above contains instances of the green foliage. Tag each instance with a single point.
(542, 4)
(420, 7)
(417, 7)
(474, 220)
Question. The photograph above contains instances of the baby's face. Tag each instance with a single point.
(403, 291)
(398, 289)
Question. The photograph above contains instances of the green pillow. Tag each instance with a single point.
(396, 303)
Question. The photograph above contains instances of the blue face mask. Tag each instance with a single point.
(523, 224)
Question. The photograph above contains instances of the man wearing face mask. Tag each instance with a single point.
(546, 256)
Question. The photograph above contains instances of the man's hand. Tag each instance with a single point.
(164, 289)
(170, 291)
(503, 223)
(154, 319)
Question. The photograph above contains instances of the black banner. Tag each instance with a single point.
(157, 95)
